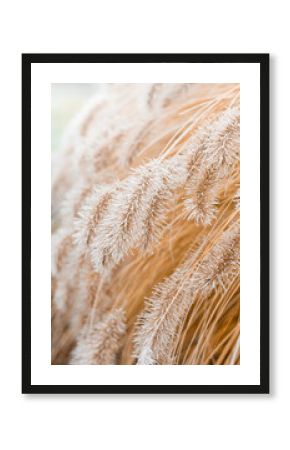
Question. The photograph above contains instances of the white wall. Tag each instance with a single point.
(227, 422)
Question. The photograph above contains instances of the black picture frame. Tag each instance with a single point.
(263, 60)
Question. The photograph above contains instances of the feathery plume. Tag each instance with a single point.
(171, 300)
(137, 210)
(73, 202)
(164, 312)
(211, 154)
(222, 140)
(91, 213)
(201, 196)
(100, 343)
(220, 264)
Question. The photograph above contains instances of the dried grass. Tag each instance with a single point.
(145, 227)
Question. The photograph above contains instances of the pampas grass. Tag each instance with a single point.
(145, 248)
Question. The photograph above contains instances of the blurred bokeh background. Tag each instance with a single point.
(66, 101)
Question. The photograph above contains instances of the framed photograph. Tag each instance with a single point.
(145, 231)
